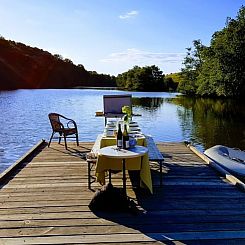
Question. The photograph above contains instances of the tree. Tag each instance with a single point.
(68, 61)
(81, 67)
(193, 63)
(218, 70)
(58, 56)
(148, 78)
(170, 84)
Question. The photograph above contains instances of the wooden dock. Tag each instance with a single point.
(44, 200)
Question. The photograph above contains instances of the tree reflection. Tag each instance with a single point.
(148, 103)
(210, 122)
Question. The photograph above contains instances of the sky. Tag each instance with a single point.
(112, 36)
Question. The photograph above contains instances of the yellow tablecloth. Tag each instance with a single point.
(105, 163)
(108, 141)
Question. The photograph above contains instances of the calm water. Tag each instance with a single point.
(167, 117)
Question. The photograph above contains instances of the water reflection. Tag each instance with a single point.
(212, 121)
(148, 103)
(167, 118)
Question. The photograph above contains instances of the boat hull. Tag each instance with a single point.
(233, 160)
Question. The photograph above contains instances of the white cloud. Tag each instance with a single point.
(122, 61)
(144, 57)
(130, 14)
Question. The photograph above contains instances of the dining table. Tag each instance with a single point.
(109, 157)
(115, 158)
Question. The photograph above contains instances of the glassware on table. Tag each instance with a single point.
(132, 142)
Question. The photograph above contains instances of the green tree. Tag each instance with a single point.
(218, 70)
(148, 78)
(68, 61)
(192, 63)
(228, 58)
(170, 84)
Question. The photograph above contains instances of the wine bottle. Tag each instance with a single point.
(119, 137)
(125, 138)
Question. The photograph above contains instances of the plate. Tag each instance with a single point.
(134, 132)
(109, 127)
(133, 124)
(109, 133)
(134, 128)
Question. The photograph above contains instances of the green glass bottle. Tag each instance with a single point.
(125, 138)
(119, 137)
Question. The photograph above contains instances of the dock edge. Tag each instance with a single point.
(224, 173)
(12, 167)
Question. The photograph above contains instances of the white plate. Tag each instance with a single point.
(133, 123)
(110, 126)
(134, 131)
(109, 133)
(134, 128)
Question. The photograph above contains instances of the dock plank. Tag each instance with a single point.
(45, 201)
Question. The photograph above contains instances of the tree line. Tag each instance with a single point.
(22, 66)
(147, 78)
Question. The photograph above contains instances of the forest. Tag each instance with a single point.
(22, 66)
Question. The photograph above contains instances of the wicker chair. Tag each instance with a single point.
(57, 121)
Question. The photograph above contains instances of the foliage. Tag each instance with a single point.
(58, 57)
(170, 84)
(177, 77)
(127, 110)
(148, 78)
(218, 70)
(22, 66)
(192, 64)
(101, 80)
(68, 61)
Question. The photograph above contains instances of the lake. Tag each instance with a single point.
(168, 117)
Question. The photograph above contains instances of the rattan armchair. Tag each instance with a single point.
(57, 122)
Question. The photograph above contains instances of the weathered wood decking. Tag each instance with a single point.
(45, 201)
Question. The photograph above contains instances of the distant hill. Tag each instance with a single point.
(22, 66)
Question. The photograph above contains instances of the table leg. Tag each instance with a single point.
(89, 175)
(160, 162)
(110, 176)
(124, 177)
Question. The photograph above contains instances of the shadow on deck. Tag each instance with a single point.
(45, 201)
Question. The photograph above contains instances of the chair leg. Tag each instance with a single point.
(77, 139)
(50, 139)
(65, 141)
(60, 138)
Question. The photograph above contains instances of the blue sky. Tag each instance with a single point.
(111, 36)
